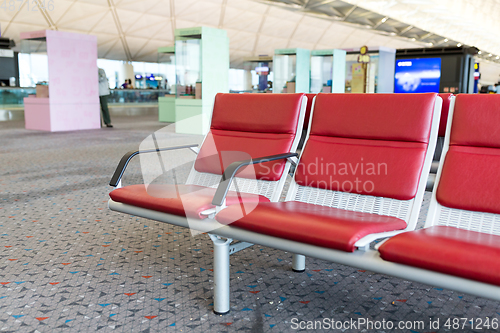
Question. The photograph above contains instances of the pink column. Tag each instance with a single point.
(73, 102)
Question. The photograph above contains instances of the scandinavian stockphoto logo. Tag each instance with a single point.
(353, 177)
(169, 174)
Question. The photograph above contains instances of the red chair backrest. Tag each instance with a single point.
(470, 178)
(444, 113)
(249, 126)
(372, 144)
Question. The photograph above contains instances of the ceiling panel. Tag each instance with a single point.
(29, 17)
(239, 19)
(248, 6)
(91, 22)
(106, 25)
(259, 26)
(79, 11)
(275, 27)
(307, 33)
(60, 9)
(241, 40)
(267, 44)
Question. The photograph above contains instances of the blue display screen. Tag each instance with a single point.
(417, 75)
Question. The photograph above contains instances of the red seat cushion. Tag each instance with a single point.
(468, 254)
(445, 109)
(312, 224)
(181, 200)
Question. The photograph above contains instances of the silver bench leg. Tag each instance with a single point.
(221, 275)
(299, 263)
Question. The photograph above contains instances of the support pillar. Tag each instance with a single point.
(221, 275)
(299, 263)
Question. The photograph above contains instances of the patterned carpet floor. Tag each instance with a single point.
(68, 264)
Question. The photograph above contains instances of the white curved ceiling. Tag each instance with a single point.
(134, 29)
(471, 22)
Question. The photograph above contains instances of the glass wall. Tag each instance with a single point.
(149, 75)
(33, 63)
(188, 66)
(113, 68)
(120, 96)
(321, 74)
(33, 68)
(284, 68)
(237, 80)
(14, 96)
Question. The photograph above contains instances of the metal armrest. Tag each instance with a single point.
(120, 169)
(232, 169)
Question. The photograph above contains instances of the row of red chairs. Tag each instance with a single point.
(360, 178)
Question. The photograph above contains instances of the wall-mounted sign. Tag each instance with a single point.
(262, 70)
(363, 57)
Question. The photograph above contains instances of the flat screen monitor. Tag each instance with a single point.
(417, 75)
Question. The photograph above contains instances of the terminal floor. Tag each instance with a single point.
(68, 264)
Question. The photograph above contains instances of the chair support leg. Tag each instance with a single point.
(299, 263)
(221, 275)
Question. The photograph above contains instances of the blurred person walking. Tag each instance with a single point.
(103, 97)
